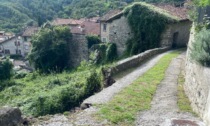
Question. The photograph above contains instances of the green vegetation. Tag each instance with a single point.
(183, 101)
(92, 40)
(104, 53)
(200, 48)
(122, 109)
(50, 50)
(53, 93)
(147, 23)
(5, 69)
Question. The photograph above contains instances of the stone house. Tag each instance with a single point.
(12, 46)
(26, 38)
(114, 28)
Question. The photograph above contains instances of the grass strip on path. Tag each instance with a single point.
(122, 109)
(183, 101)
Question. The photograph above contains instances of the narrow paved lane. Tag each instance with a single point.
(106, 94)
(164, 111)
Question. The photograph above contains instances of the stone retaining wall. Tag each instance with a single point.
(136, 60)
(197, 85)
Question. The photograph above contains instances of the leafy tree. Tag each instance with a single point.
(50, 49)
(5, 70)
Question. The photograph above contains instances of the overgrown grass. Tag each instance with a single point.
(55, 93)
(122, 109)
(183, 101)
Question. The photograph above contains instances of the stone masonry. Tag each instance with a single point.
(197, 85)
(78, 49)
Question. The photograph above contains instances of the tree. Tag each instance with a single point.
(50, 50)
(5, 69)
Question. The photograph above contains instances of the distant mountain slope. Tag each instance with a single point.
(15, 14)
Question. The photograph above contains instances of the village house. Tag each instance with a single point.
(16, 45)
(26, 38)
(114, 28)
(12, 46)
(82, 26)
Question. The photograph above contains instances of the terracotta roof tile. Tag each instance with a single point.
(60, 21)
(87, 28)
(180, 12)
(30, 31)
(110, 15)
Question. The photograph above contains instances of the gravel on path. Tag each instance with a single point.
(164, 110)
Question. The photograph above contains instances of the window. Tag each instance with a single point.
(26, 47)
(25, 38)
(18, 51)
(103, 39)
(7, 51)
(104, 27)
(18, 43)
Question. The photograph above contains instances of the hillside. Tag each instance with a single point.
(15, 14)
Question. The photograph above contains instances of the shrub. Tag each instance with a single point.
(6, 83)
(200, 51)
(93, 84)
(104, 53)
(92, 40)
(6, 71)
(111, 52)
(20, 75)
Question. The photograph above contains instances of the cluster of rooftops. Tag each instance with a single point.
(91, 26)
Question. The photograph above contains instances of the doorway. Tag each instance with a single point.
(175, 39)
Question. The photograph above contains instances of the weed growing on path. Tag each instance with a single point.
(122, 109)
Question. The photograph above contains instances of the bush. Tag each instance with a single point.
(200, 51)
(6, 83)
(92, 40)
(104, 53)
(20, 75)
(111, 52)
(6, 71)
(65, 96)
(93, 84)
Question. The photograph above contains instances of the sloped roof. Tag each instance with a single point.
(179, 12)
(111, 14)
(61, 21)
(87, 28)
(30, 31)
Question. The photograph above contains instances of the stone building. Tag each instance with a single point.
(12, 46)
(115, 28)
(26, 38)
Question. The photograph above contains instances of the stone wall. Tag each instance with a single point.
(136, 60)
(119, 33)
(78, 49)
(197, 85)
(183, 30)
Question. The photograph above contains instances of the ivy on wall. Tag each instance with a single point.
(147, 23)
